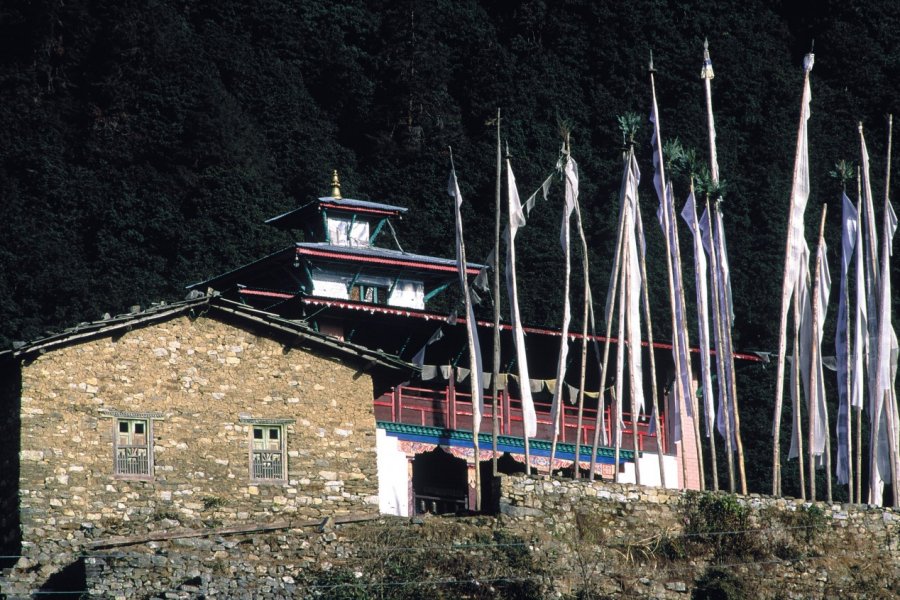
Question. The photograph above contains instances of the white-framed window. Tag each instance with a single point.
(267, 453)
(133, 447)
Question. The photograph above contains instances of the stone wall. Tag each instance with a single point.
(553, 539)
(200, 378)
(634, 541)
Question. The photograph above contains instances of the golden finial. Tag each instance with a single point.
(335, 185)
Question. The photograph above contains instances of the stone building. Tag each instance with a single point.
(199, 414)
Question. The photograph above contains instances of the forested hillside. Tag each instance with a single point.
(144, 142)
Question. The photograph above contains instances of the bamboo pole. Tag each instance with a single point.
(681, 395)
(798, 421)
(626, 288)
(495, 373)
(813, 390)
(729, 345)
(620, 362)
(860, 248)
(584, 340)
(893, 416)
(610, 304)
(785, 298)
(653, 383)
(720, 360)
(847, 369)
(564, 340)
(706, 74)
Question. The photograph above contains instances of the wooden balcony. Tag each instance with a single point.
(449, 408)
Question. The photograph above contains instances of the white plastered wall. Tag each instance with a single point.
(393, 476)
(408, 294)
(649, 466)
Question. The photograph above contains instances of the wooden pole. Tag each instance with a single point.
(812, 404)
(681, 394)
(653, 382)
(798, 421)
(495, 373)
(859, 248)
(610, 304)
(564, 340)
(729, 345)
(893, 416)
(706, 74)
(584, 340)
(720, 359)
(620, 363)
(626, 301)
(785, 298)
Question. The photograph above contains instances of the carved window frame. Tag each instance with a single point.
(129, 444)
(267, 446)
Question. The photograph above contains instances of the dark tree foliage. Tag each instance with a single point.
(145, 142)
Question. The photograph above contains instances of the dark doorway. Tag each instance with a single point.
(440, 483)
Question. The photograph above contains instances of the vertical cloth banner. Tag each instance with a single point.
(516, 220)
(799, 370)
(689, 214)
(723, 365)
(849, 227)
(632, 310)
(799, 192)
(475, 362)
(571, 197)
(885, 372)
(666, 215)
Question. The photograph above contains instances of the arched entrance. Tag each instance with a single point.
(440, 483)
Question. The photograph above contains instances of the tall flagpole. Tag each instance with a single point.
(720, 351)
(475, 362)
(571, 198)
(799, 197)
(707, 75)
(682, 395)
(893, 417)
(645, 292)
(610, 305)
(813, 389)
(860, 249)
(584, 341)
(495, 374)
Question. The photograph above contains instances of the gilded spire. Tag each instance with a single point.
(335, 185)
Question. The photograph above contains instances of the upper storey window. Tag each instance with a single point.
(346, 231)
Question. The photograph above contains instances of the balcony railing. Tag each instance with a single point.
(452, 409)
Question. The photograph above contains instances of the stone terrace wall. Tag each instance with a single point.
(632, 541)
(553, 539)
(202, 376)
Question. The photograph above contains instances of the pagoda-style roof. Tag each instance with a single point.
(276, 275)
(380, 257)
(299, 218)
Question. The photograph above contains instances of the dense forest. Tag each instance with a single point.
(145, 142)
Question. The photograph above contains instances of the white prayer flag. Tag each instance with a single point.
(475, 362)
(571, 197)
(885, 372)
(689, 214)
(849, 226)
(516, 220)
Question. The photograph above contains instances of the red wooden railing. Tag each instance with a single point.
(452, 409)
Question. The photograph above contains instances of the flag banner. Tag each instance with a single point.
(516, 220)
(849, 226)
(475, 362)
(689, 214)
(885, 371)
(633, 295)
(869, 249)
(799, 191)
(571, 197)
(799, 372)
(860, 322)
(666, 216)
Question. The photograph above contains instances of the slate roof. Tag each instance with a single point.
(294, 333)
